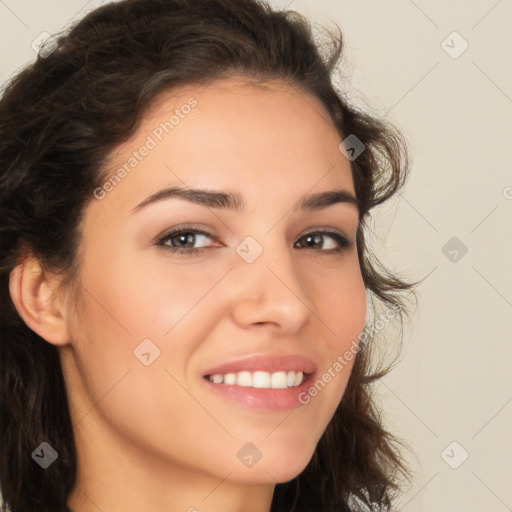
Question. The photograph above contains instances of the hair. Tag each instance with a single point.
(60, 119)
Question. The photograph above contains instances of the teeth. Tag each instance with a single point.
(261, 380)
(278, 380)
(258, 379)
(244, 379)
(229, 378)
(218, 379)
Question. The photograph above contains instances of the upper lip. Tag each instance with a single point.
(266, 363)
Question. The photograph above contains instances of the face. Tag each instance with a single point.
(184, 286)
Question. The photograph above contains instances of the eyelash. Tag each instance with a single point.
(343, 243)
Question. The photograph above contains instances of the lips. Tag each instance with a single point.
(262, 399)
(265, 363)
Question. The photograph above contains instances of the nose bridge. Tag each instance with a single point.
(269, 287)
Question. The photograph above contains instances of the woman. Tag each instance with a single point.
(184, 274)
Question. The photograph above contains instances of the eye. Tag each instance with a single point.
(181, 241)
(319, 237)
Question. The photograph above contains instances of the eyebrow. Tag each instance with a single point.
(234, 201)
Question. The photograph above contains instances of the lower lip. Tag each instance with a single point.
(264, 399)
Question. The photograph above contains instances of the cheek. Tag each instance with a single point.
(165, 294)
(342, 304)
(139, 300)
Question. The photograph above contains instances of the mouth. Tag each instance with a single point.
(264, 382)
(236, 389)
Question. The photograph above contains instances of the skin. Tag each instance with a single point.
(155, 437)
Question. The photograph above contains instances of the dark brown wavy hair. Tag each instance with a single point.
(60, 119)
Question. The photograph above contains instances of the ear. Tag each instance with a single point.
(33, 292)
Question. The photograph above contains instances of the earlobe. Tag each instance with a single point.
(33, 294)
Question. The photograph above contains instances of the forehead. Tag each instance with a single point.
(262, 137)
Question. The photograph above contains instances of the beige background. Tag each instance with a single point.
(453, 380)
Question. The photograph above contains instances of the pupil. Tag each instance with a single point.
(183, 238)
(311, 239)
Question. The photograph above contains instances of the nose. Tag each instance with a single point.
(270, 292)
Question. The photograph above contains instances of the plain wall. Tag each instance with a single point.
(452, 382)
